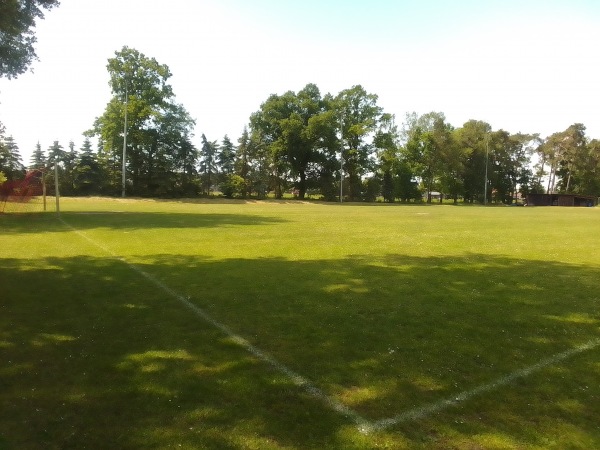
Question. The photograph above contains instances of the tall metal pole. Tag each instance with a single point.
(485, 188)
(57, 194)
(44, 187)
(341, 162)
(125, 143)
(341, 176)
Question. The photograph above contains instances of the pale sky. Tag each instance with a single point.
(527, 66)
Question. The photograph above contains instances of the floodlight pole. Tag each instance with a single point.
(487, 149)
(57, 194)
(341, 177)
(341, 162)
(125, 144)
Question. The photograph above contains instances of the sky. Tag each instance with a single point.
(528, 66)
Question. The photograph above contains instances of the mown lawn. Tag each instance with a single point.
(431, 326)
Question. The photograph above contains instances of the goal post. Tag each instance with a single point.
(28, 194)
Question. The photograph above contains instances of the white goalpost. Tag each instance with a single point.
(30, 193)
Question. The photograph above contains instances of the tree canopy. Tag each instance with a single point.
(158, 131)
(305, 143)
(17, 35)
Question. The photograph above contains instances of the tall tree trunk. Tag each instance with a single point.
(541, 172)
(550, 178)
(302, 186)
(568, 178)
(429, 184)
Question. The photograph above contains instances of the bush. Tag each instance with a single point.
(371, 189)
(233, 185)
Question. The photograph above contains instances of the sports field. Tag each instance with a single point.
(274, 325)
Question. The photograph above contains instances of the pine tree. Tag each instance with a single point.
(226, 156)
(68, 177)
(56, 153)
(88, 172)
(38, 158)
(10, 159)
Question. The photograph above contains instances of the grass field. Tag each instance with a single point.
(274, 325)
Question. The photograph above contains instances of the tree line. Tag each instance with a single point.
(307, 143)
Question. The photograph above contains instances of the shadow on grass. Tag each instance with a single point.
(96, 355)
(120, 220)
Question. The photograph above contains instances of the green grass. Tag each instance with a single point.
(384, 308)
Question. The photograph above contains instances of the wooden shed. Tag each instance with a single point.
(561, 200)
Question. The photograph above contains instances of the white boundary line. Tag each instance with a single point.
(426, 410)
(364, 426)
(300, 381)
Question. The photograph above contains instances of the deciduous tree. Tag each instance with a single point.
(359, 117)
(293, 129)
(208, 162)
(156, 125)
(473, 140)
(17, 36)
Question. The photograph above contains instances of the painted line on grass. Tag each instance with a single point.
(363, 425)
(427, 410)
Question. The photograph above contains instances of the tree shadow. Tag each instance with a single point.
(121, 220)
(99, 355)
